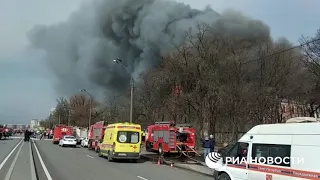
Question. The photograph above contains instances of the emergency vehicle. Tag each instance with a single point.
(167, 137)
(295, 144)
(60, 131)
(121, 141)
(5, 132)
(95, 134)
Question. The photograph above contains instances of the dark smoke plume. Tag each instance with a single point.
(80, 51)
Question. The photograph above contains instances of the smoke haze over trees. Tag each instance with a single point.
(80, 51)
(222, 72)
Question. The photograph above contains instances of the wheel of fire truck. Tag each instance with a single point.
(224, 176)
(0, 136)
(148, 146)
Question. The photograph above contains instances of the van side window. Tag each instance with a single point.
(278, 151)
(238, 152)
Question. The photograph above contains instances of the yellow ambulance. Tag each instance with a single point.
(121, 141)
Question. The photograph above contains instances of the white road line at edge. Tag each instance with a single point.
(42, 163)
(8, 156)
(142, 178)
(90, 156)
(32, 165)
(9, 173)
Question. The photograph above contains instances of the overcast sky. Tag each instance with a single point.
(26, 89)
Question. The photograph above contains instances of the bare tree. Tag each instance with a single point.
(220, 83)
(311, 50)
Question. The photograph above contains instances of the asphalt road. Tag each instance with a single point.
(79, 163)
(6, 146)
(16, 160)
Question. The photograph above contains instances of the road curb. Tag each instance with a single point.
(179, 166)
(192, 170)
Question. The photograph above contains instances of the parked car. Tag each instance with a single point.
(68, 141)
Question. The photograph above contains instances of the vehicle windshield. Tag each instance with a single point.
(128, 137)
(238, 150)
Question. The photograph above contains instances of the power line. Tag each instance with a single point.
(285, 50)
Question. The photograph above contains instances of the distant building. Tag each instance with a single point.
(12, 126)
(290, 109)
(21, 126)
(34, 123)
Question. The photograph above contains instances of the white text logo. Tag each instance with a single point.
(266, 160)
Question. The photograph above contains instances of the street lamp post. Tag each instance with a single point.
(119, 61)
(90, 108)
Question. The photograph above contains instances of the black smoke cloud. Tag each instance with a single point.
(80, 50)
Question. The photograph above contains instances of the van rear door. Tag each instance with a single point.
(128, 141)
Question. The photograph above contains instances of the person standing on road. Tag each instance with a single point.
(206, 144)
(29, 134)
(41, 136)
(212, 143)
(26, 135)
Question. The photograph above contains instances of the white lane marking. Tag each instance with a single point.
(15, 137)
(9, 173)
(8, 156)
(32, 165)
(90, 157)
(37, 139)
(142, 178)
(42, 163)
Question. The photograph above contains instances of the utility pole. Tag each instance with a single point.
(119, 61)
(90, 108)
(69, 117)
(131, 98)
(90, 112)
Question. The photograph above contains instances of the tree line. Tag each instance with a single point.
(221, 85)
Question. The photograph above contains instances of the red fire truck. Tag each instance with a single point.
(60, 131)
(95, 135)
(5, 132)
(167, 137)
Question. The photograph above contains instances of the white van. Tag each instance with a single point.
(297, 140)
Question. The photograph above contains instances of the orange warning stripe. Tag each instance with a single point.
(279, 171)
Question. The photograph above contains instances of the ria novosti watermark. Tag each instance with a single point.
(266, 160)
